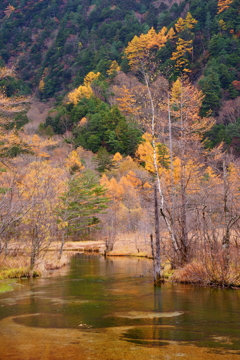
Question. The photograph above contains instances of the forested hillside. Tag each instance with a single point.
(145, 121)
(54, 44)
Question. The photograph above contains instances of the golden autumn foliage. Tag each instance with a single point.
(144, 153)
(114, 189)
(8, 11)
(114, 67)
(12, 144)
(179, 26)
(183, 47)
(233, 177)
(84, 90)
(126, 102)
(125, 191)
(117, 157)
(138, 48)
(41, 84)
(73, 162)
(9, 106)
(185, 102)
(171, 34)
(222, 24)
(134, 180)
(39, 146)
(223, 5)
(41, 186)
(83, 121)
(90, 77)
(188, 23)
(41, 178)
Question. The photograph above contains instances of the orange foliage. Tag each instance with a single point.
(73, 162)
(223, 5)
(183, 47)
(113, 68)
(126, 102)
(117, 157)
(84, 90)
(38, 145)
(138, 49)
(8, 11)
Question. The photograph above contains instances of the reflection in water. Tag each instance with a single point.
(106, 307)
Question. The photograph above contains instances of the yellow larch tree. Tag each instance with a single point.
(38, 146)
(114, 189)
(138, 49)
(185, 100)
(11, 145)
(8, 11)
(84, 90)
(41, 186)
(188, 23)
(144, 153)
(73, 162)
(183, 47)
(132, 177)
(114, 68)
(179, 26)
(224, 5)
(117, 157)
(189, 128)
(126, 102)
(171, 34)
(90, 77)
(222, 24)
(41, 84)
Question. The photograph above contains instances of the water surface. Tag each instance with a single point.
(109, 309)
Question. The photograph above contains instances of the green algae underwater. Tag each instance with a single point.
(108, 309)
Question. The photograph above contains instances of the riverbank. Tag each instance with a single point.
(196, 272)
(15, 265)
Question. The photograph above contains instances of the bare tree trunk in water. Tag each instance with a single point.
(157, 234)
(154, 260)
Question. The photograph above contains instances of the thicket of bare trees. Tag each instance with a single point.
(198, 196)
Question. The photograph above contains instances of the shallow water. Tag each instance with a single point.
(108, 309)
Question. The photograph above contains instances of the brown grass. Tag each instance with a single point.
(193, 273)
(18, 266)
(211, 274)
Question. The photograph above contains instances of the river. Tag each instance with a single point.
(108, 309)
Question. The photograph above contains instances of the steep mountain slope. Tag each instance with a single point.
(54, 44)
(61, 40)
